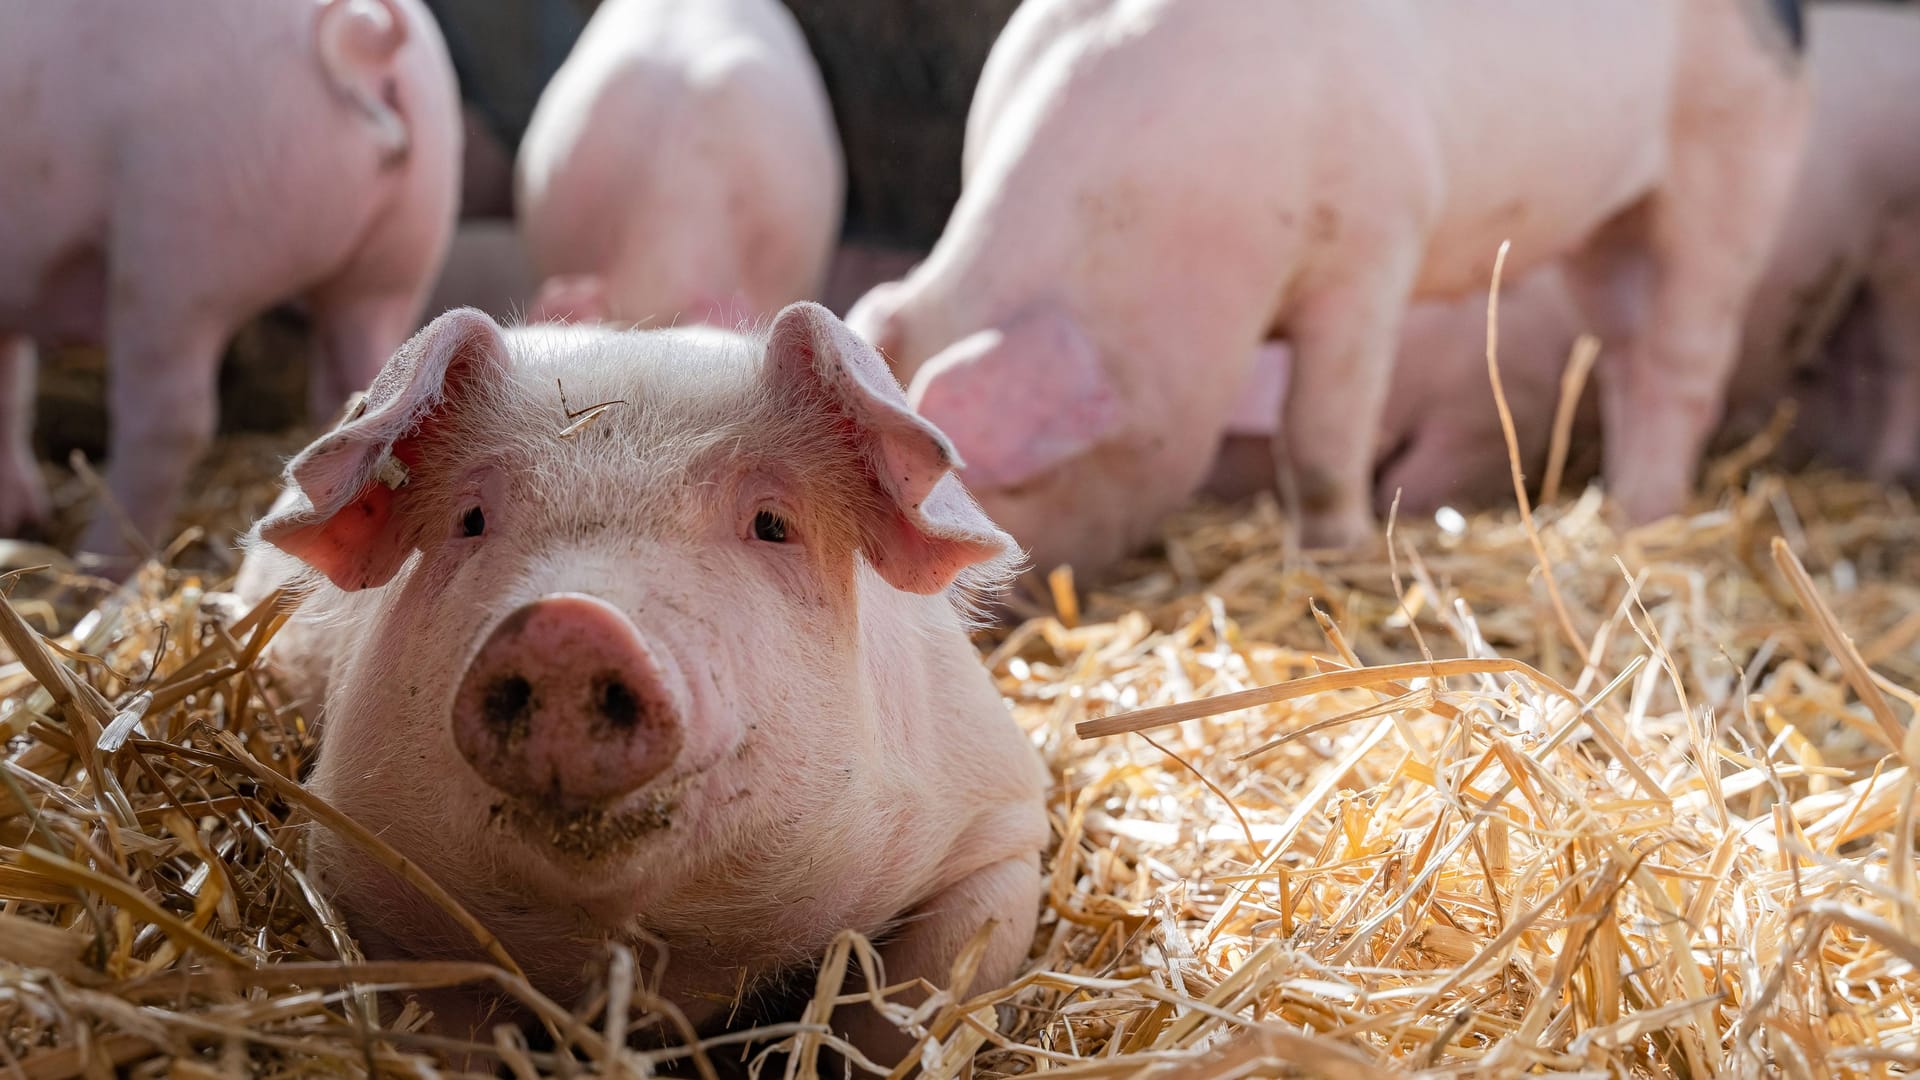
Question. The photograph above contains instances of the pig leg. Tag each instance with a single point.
(1451, 463)
(23, 496)
(356, 336)
(1895, 282)
(1343, 337)
(932, 935)
(1662, 394)
(1707, 232)
(163, 359)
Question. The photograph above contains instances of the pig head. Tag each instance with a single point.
(685, 670)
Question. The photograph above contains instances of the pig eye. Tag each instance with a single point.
(770, 527)
(473, 522)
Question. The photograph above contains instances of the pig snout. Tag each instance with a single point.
(564, 699)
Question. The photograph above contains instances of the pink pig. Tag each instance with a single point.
(1853, 223)
(170, 172)
(1440, 441)
(691, 669)
(1153, 190)
(682, 165)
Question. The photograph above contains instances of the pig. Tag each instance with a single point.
(1156, 189)
(681, 166)
(1440, 441)
(486, 268)
(682, 661)
(157, 208)
(1852, 225)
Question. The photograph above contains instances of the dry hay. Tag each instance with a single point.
(1680, 845)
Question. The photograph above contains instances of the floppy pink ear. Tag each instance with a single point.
(924, 529)
(349, 521)
(1020, 399)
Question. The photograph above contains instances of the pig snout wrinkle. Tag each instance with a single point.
(564, 699)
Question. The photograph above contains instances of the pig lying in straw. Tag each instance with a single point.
(681, 167)
(1152, 190)
(168, 172)
(689, 668)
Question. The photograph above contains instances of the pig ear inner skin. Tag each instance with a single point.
(350, 523)
(1022, 399)
(923, 534)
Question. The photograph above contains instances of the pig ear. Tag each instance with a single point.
(348, 522)
(1021, 399)
(925, 529)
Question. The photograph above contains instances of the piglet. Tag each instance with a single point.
(1153, 191)
(1853, 224)
(1834, 322)
(682, 166)
(682, 662)
(169, 172)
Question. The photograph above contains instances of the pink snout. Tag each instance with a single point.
(564, 700)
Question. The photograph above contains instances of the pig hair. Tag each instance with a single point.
(690, 415)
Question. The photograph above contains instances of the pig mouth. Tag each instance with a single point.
(586, 833)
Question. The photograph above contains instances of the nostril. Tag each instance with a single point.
(565, 699)
(616, 701)
(508, 706)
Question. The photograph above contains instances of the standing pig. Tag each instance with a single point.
(1853, 223)
(155, 200)
(692, 672)
(682, 165)
(1158, 188)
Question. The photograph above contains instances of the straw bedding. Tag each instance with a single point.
(1315, 816)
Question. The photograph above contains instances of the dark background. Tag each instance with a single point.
(899, 72)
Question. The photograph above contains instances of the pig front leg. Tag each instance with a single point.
(162, 402)
(1344, 337)
(933, 934)
(23, 495)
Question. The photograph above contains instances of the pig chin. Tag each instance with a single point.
(588, 833)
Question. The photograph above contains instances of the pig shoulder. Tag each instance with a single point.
(952, 747)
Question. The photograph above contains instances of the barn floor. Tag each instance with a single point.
(1492, 801)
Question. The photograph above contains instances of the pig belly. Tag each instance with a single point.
(1549, 120)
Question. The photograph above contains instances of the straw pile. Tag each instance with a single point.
(1337, 817)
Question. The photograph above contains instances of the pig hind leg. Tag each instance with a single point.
(1668, 284)
(23, 495)
(356, 336)
(1344, 336)
(163, 358)
(1895, 281)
